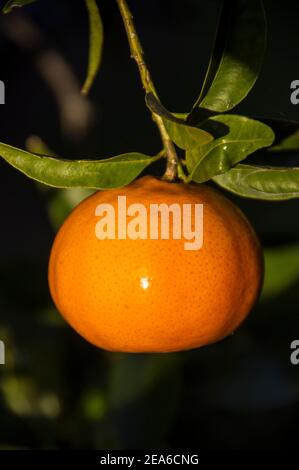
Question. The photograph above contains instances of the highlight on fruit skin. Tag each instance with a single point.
(152, 295)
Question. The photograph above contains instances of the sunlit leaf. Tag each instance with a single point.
(96, 36)
(98, 174)
(235, 137)
(236, 59)
(265, 183)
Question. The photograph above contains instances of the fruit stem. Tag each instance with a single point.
(137, 54)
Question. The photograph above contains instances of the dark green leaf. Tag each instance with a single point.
(98, 174)
(181, 134)
(266, 183)
(132, 375)
(236, 59)
(15, 3)
(96, 36)
(236, 137)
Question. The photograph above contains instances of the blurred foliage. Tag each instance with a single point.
(56, 390)
(282, 270)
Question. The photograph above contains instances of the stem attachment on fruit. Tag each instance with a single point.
(137, 54)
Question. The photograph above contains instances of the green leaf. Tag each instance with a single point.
(236, 137)
(60, 202)
(96, 37)
(281, 270)
(98, 174)
(181, 134)
(265, 183)
(15, 3)
(289, 143)
(237, 57)
(63, 201)
(286, 134)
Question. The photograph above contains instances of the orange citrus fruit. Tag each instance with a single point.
(152, 295)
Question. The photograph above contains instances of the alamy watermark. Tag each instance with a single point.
(2, 92)
(2, 353)
(294, 357)
(295, 93)
(158, 221)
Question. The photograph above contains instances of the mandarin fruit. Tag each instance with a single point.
(153, 295)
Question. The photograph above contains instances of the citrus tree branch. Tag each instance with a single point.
(148, 85)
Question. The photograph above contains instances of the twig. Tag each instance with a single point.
(138, 55)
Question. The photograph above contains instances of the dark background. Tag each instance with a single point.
(57, 391)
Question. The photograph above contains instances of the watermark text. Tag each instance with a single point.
(295, 94)
(2, 92)
(158, 221)
(294, 357)
(2, 353)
